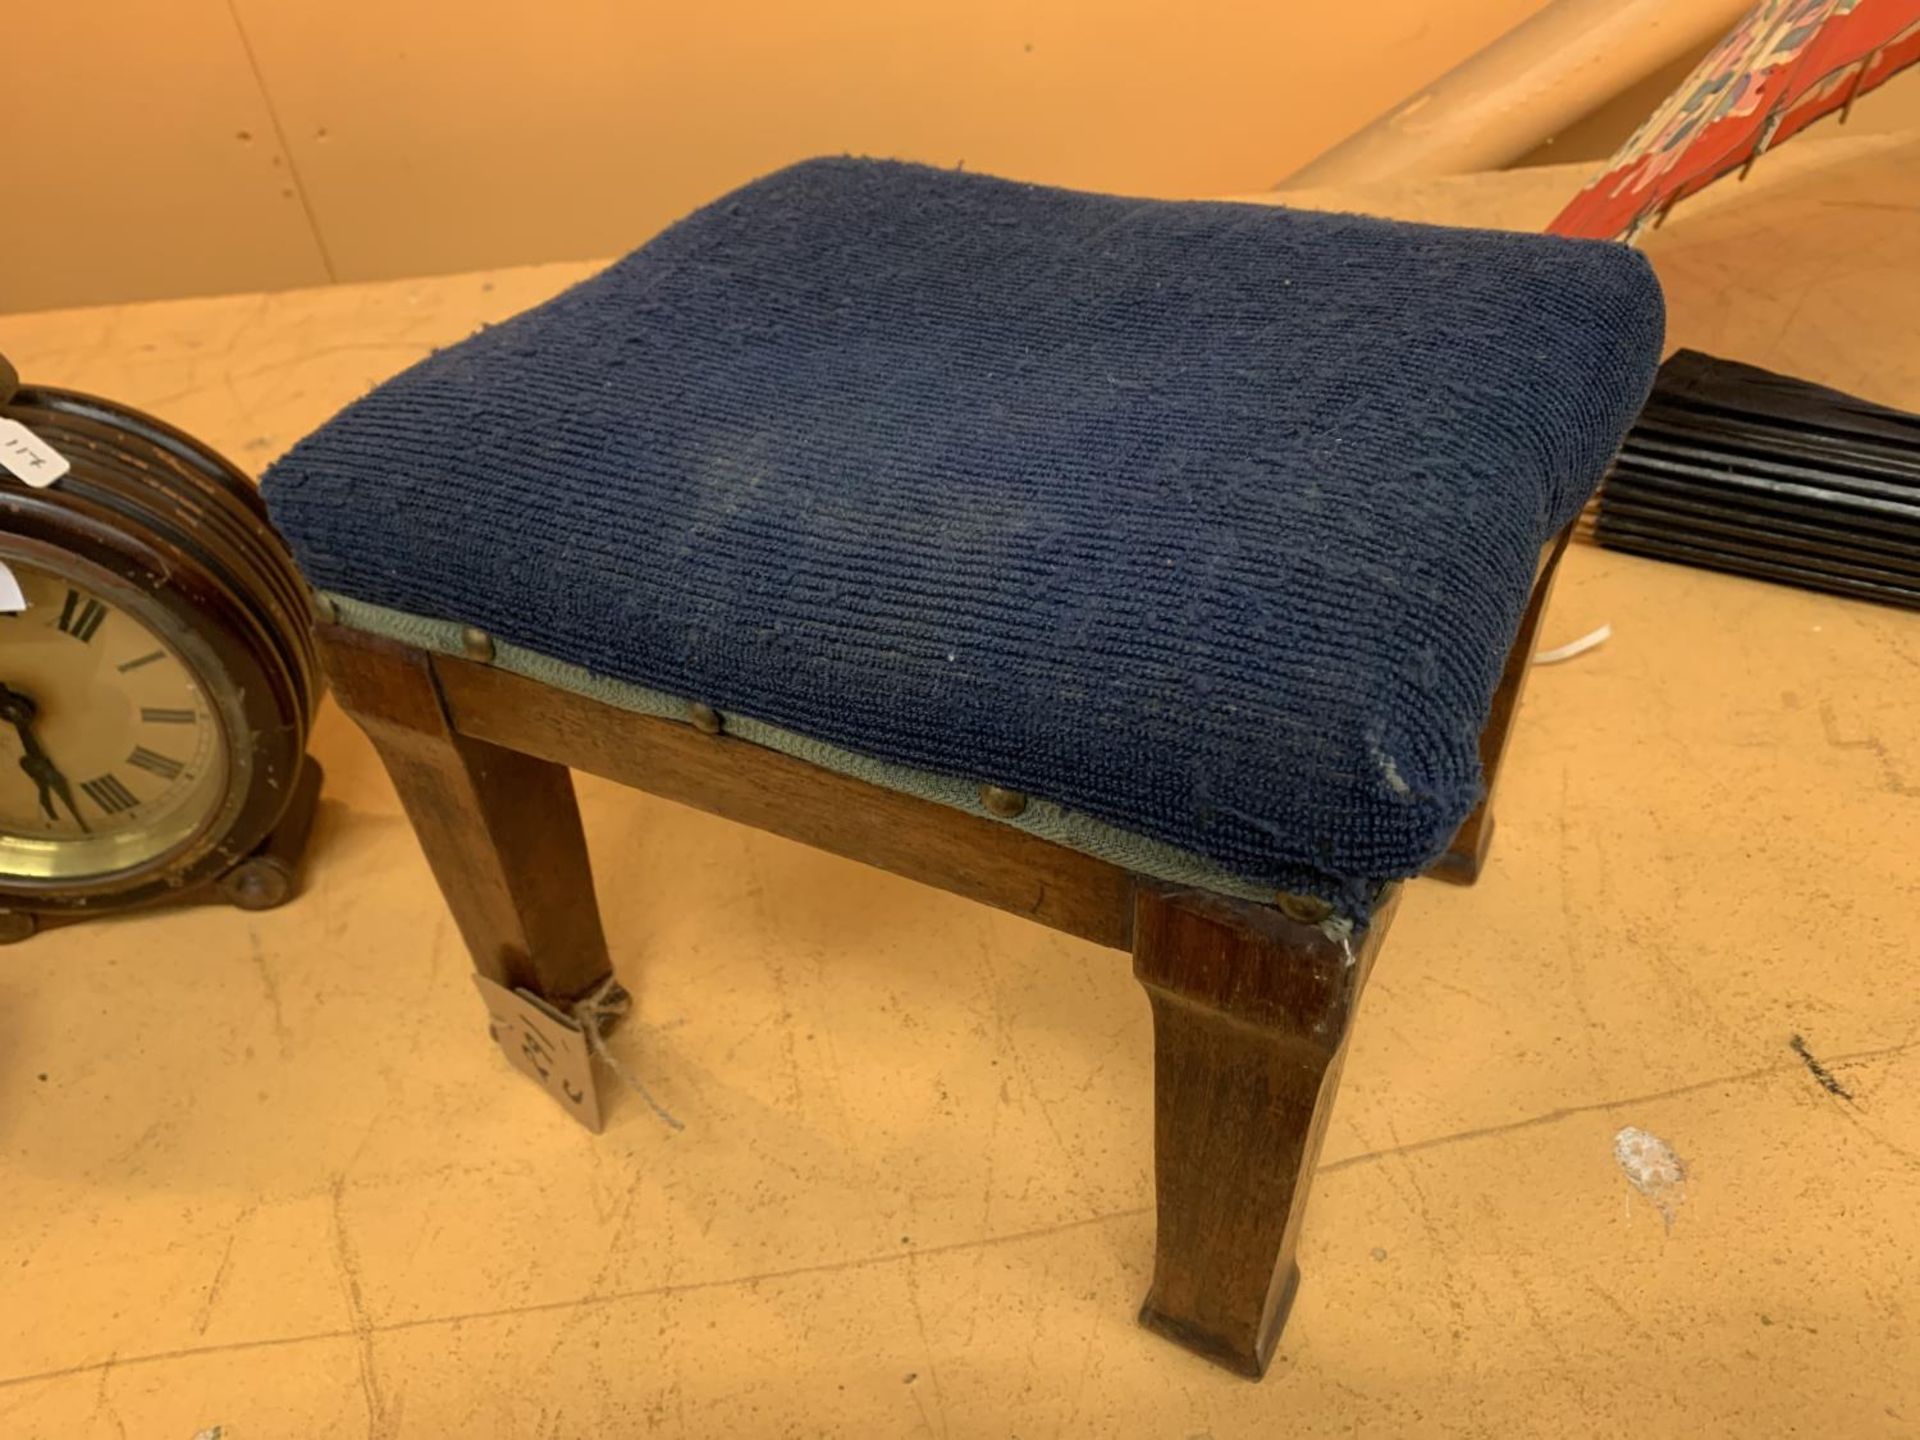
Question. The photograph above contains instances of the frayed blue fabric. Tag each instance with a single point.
(1214, 522)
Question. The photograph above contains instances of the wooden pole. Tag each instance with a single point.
(1538, 78)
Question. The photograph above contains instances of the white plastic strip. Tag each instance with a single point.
(1590, 641)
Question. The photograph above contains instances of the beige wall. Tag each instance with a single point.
(175, 147)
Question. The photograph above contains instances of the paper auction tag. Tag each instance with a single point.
(546, 1046)
(12, 600)
(27, 457)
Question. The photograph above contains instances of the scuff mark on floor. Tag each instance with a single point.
(271, 985)
(1892, 778)
(1819, 1072)
(204, 1315)
(347, 1265)
(1653, 1169)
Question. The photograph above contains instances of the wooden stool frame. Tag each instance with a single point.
(1251, 1008)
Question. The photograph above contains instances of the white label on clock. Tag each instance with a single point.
(27, 457)
(12, 602)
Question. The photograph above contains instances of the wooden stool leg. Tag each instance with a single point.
(501, 829)
(1467, 852)
(1250, 1018)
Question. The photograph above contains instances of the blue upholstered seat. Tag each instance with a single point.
(1209, 524)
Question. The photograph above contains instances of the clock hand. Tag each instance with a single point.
(48, 777)
(43, 782)
(18, 710)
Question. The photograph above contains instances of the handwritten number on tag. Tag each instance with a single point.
(538, 1052)
(26, 456)
(545, 1045)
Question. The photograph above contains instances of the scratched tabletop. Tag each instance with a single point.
(264, 1172)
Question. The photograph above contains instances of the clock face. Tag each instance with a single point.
(112, 750)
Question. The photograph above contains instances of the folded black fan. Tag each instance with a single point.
(1735, 468)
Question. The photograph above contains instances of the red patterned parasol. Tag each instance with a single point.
(1783, 67)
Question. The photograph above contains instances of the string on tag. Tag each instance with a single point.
(600, 1010)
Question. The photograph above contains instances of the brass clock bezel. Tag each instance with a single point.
(151, 519)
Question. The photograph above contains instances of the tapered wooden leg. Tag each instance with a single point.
(1251, 1012)
(500, 829)
(1461, 863)
(1466, 853)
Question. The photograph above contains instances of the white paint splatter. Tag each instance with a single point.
(1653, 1169)
(1390, 770)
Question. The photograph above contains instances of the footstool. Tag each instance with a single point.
(1162, 572)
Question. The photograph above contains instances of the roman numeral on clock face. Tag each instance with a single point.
(154, 763)
(81, 617)
(109, 793)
